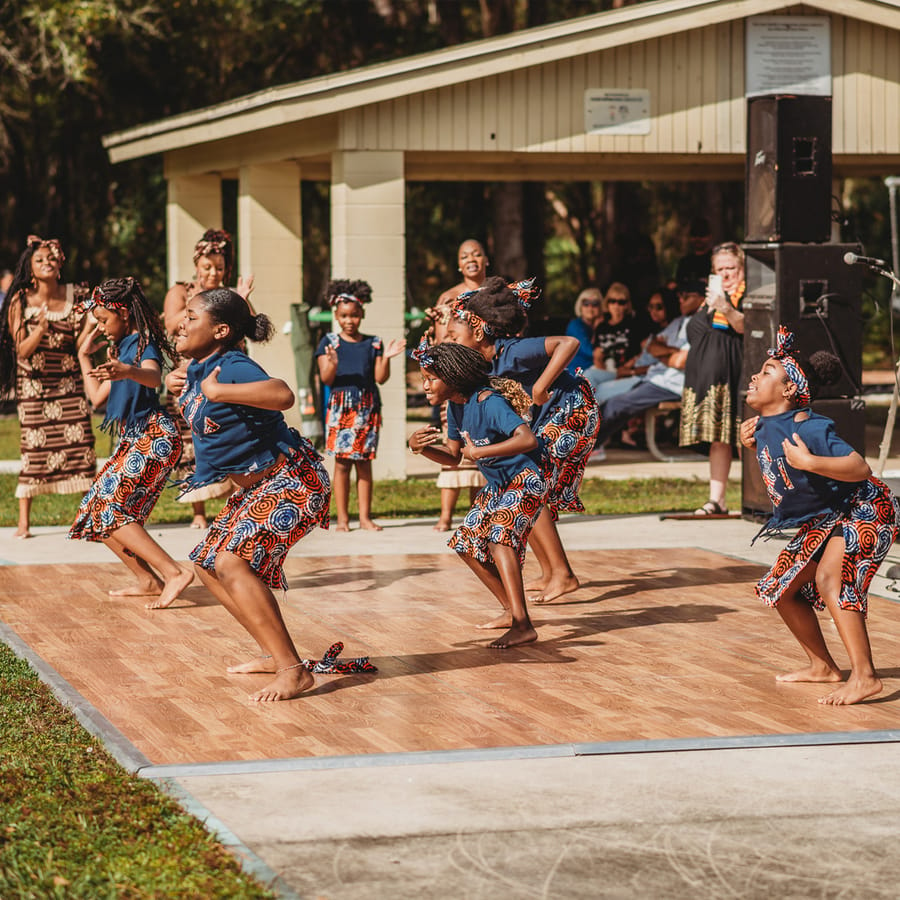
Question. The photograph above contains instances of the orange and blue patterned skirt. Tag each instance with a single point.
(501, 517)
(869, 528)
(353, 421)
(568, 437)
(262, 522)
(127, 487)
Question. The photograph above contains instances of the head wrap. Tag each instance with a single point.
(784, 343)
(53, 247)
(214, 243)
(114, 294)
(525, 292)
(422, 354)
(344, 298)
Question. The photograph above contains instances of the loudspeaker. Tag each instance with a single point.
(849, 416)
(788, 169)
(810, 290)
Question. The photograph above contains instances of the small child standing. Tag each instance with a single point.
(127, 488)
(353, 364)
(847, 519)
(234, 410)
(484, 426)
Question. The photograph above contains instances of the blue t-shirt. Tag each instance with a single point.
(584, 358)
(797, 495)
(489, 420)
(356, 361)
(523, 360)
(130, 403)
(230, 438)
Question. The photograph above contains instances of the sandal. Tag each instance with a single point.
(710, 508)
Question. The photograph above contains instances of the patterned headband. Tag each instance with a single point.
(113, 294)
(345, 298)
(784, 343)
(423, 355)
(219, 243)
(526, 293)
(53, 247)
(471, 319)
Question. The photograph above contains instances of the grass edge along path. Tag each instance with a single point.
(75, 824)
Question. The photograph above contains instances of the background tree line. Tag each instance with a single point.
(74, 70)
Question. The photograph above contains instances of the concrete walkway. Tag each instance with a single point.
(789, 816)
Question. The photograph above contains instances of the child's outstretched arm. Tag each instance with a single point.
(522, 440)
(97, 389)
(273, 393)
(425, 441)
(841, 468)
(561, 350)
(392, 348)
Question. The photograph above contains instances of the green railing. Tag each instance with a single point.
(323, 316)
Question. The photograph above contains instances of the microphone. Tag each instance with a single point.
(852, 259)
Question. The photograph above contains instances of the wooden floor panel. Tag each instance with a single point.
(656, 644)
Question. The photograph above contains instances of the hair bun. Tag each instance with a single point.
(826, 367)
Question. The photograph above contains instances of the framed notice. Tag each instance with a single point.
(788, 55)
(612, 111)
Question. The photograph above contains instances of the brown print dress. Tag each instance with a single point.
(57, 443)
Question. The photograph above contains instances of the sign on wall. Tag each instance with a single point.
(616, 111)
(788, 55)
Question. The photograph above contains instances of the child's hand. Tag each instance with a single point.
(394, 348)
(211, 387)
(468, 448)
(423, 438)
(93, 341)
(748, 429)
(797, 454)
(539, 396)
(111, 370)
(176, 380)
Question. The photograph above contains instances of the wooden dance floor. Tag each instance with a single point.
(656, 644)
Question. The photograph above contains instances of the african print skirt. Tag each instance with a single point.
(129, 484)
(868, 528)
(262, 522)
(353, 421)
(501, 517)
(568, 438)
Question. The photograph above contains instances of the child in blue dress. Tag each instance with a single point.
(126, 489)
(484, 427)
(566, 418)
(847, 519)
(234, 410)
(353, 364)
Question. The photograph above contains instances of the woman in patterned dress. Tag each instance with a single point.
(41, 325)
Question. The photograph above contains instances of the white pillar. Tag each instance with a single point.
(270, 247)
(368, 241)
(193, 204)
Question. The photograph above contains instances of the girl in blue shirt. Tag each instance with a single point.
(484, 427)
(234, 410)
(566, 417)
(847, 519)
(353, 364)
(126, 489)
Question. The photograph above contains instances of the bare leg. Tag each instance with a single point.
(23, 530)
(719, 466)
(199, 510)
(490, 578)
(148, 582)
(364, 494)
(341, 491)
(255, 607)
(449, 496)
(803, 623)
(851, 625)
(521, 630)
(557, 577)
(175, 577)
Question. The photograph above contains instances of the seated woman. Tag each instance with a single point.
(617, 336)
(588, 312)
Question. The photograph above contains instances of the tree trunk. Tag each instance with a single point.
(508, 257)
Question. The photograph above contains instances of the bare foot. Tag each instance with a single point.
(556, 587)
(262, 664)
(536, 585)
(816, 674)
(342, 526)
(442, 526)
(856, 689)
(144, 589)
(369, 525)
(173, 587)
(504, 620)
(288, 683)
(199, 522)
(518, 634)
(22, 534)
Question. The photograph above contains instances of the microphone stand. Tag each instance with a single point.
(885, 446)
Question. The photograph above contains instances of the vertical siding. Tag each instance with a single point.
(696, 85)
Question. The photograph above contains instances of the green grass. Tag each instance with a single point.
(74, 824)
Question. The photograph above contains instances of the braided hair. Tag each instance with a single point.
(230, 308)
(466, 371)
(126, 294)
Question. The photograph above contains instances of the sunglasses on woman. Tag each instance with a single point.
(619, 301)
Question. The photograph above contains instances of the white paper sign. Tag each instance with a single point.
(788, 55)
(612, 111)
